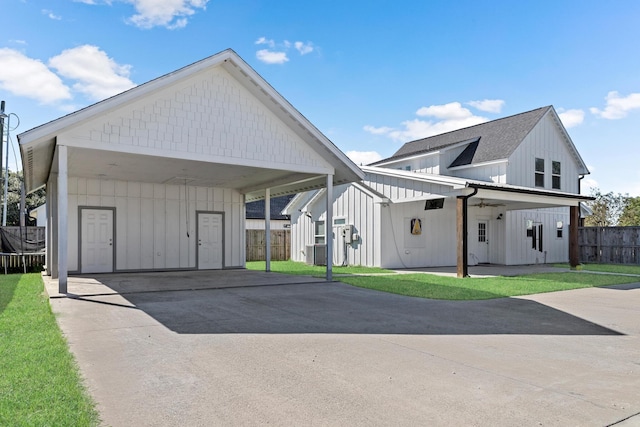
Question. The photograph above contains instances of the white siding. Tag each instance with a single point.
(259, 224)
(494, 172)
(545, 141)
(155, 224)
(210, 115)
(436, 246)
(519, 247)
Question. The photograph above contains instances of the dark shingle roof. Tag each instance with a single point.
(494, 140)
(255, 210)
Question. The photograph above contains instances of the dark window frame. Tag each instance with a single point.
(539, 172)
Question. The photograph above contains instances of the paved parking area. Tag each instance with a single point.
(262, 348)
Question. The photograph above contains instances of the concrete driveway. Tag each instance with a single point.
(250, 348)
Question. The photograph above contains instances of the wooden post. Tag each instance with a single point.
(461, 233)
(574, 249)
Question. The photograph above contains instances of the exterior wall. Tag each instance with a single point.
(519, 247)
(401, 189)
(435, 246)
(155, 224)
(357, 208)
(546, 142)
(495, 172)
(210, 117)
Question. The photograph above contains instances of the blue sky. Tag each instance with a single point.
(370, 75)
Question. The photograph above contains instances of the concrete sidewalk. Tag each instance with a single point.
(330, 354)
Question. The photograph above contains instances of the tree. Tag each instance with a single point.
(607, 208)
(14, 189)
(631, 214)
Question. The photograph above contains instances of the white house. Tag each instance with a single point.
(502, 192)
(157, 177)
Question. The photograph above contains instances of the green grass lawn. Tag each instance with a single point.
(608, 268)
(452, 288)
(302, 269)
(39, 380)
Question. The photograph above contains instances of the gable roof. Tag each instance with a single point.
(38, 145)
(489, 141)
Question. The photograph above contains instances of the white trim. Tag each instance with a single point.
(477, 165)
(63, 225)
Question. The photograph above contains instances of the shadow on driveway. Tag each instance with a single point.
(336, 308)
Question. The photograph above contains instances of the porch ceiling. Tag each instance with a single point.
(251, 181)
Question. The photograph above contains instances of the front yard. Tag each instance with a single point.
(451, 288)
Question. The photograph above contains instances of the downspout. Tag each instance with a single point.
(463, 252)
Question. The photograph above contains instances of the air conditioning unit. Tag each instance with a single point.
(316, 255)
(309, 255)
(320, 255)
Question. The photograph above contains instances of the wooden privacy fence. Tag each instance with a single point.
(280, 245)
(609, 245)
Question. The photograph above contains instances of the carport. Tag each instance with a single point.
(157, 177)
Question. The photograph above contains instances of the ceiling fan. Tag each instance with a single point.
(482, 204)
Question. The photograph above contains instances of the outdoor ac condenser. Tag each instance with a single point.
(320, 255)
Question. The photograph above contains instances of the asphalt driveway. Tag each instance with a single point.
(256, 349)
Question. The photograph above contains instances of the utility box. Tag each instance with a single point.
(347, 233)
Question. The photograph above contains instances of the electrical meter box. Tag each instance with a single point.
(347, 233)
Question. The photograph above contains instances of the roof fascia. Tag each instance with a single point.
(477, 165)
(454, 182)
(576, 154)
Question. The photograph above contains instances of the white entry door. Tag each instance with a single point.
(210, 234)
(96, 241)
(483, 242)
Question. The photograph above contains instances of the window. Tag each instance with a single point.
(559, 228)
(407, 168)
(539, 172)
(555, 175)
(319, 232)
(482, 232)
(339, 221)
(529, 228)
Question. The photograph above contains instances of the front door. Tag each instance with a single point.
(483, 242)
(210, 238)
(96, 241)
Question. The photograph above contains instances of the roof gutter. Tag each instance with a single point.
(528, 191)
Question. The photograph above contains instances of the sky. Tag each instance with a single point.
(369, 75)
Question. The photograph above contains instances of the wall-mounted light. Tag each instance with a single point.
(499, 217)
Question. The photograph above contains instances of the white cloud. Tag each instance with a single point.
(97, 75)
(171, 14)
(277, 52)
(304, 48)
(588, 184)
(24, 76)
(51, 15)
(270, 57)
(451, 116)
(617, 107)
(377, 131)
(264, 40)
(488, 105)
(571, 118)
(363, 157)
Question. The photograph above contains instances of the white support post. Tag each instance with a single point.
(328, 228)
(267, 228)
(63, 207)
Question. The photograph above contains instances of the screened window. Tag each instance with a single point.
(559, 229)
(555, 175)
(319, 232)
(539, 172)
(482, 232)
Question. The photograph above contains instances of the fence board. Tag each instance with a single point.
(280, 245)
(609, 245)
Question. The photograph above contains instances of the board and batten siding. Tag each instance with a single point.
(519, 248)
(545, 141)
(435, 246)
(155, 224)
(209, 117)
